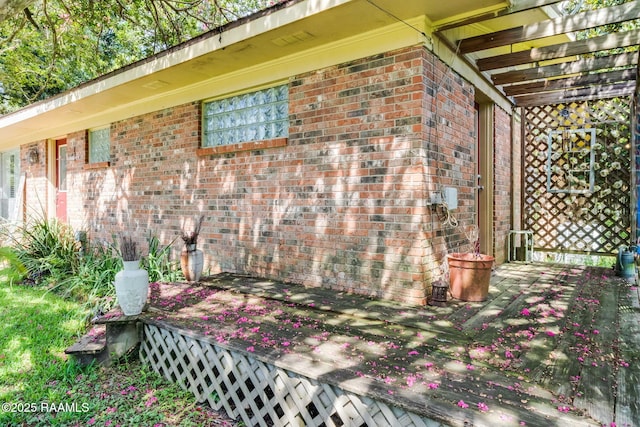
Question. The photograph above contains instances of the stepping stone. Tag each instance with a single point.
(91, 347)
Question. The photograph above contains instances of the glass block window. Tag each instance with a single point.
(99, 145)
(254, 116)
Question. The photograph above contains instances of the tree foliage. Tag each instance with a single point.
(574, 6)
(53, 45)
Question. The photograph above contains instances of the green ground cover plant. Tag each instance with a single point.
(39, 386)
(47, 311)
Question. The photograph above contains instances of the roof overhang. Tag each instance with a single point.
(290, 38)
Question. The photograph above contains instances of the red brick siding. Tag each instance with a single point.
(348, 203)
(77, 190)
(451, 157)
(341, 205)
(37, 184)
(503, 175)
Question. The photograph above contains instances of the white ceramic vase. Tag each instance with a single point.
(132, 288)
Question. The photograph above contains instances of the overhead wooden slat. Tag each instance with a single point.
(577, 77)
(571, 82)
(604, 91)
(638, 79)
(565, 24)
(561, 50)
(638, 87)
(573, 67)
(521, 6)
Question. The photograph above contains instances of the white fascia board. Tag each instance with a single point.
(173, 57)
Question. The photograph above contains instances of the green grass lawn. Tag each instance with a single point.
(40, 387)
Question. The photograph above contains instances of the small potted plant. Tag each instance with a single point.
(470, 272)
(132, 283)
(192, 258)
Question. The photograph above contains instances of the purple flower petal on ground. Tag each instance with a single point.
(462, 404)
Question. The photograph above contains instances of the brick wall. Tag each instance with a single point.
(503, 176)
(343, 204)
(36, 184)
(77, 189)
(154, 182)
(451, 160)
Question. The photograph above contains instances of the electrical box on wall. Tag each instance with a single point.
(450, 197)
(436, 198)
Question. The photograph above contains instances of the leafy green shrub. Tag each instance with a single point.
(53, 257)
(96, 272)
(11, 269)
(158, 262)
(48, 250)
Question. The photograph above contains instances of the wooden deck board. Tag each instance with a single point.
(598, 381)
(627, 408)
(91, 343)
(565, 362)
(427, 358)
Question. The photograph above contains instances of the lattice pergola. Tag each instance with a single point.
(573, 71)
(573, 54)
(577, 176)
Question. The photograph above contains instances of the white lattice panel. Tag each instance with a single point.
(261, 394)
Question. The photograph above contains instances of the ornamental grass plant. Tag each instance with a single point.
(54, 259)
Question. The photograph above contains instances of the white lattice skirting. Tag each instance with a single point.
(261, 394)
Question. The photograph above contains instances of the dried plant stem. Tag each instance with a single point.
(128, 249)
(473, 235)
(192, 238)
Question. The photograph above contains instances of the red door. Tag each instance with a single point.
(61, 180)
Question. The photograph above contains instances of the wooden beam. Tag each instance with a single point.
(573, 67)
(552, 27)
(594, 92)
(521, 6)
(571, 82)
(561, 50)
(638, 91)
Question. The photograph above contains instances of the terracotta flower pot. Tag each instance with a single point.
(469, 276)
